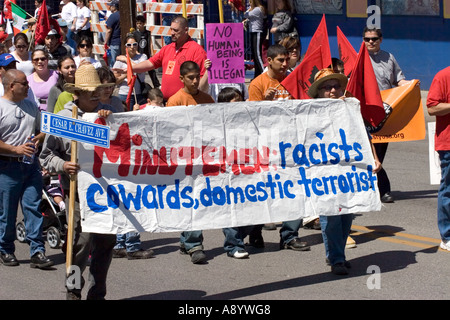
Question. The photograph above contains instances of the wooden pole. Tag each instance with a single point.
(220, 10)
(184, 8)
(127, 10)
(72, 196)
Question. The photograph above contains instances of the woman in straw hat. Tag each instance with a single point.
(56, 158)
(336, 229)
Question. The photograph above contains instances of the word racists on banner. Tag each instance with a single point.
(226, 165)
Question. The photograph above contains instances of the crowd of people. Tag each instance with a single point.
(62, 73)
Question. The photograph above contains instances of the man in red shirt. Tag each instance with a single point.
(438, 104)
(171, 56)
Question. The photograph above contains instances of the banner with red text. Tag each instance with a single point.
(227, 165)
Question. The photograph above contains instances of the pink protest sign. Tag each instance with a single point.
(225, 49)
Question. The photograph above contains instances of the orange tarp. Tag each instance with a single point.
(407, 120)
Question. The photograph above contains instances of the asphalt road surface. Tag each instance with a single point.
(397, 257)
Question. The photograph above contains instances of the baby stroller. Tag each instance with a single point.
(54, 224)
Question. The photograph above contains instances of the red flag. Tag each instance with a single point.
(130, 91)
(131, 79)
(42, 25)
(320, 38)
(346, 52)
(363, 86)
(7, 10)
(298, 81)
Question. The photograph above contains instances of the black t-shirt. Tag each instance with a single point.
(144, 42)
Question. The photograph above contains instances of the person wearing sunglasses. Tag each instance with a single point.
(336, 228)
(389, 75)
(84, 49)
(22, 54)
(20, 182)
(43, 78)
(131, 45)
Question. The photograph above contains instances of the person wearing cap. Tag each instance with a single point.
(65, 38)
(20, 182)
(56, 158)
(112, 35)
(336, 228)
(8, 62)
(55, 48)
(68, 14)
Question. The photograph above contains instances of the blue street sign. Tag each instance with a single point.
(75, 129)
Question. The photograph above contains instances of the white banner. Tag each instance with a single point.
(227, 165)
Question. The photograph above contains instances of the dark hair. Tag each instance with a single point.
(291, 43)
(378, 31)
(155, 93)
(188, 66)
(276, 50)
(130, 36)
(85, 39)
(182, 21)
(22, 36)
(105, 74)
(140, 18)
(60, 83)
(229, 93)
(44, 50)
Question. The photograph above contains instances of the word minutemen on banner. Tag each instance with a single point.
(225, 165)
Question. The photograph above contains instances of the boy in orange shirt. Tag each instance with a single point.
(189, 94)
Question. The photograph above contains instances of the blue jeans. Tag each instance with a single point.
(289, 230)
(115, 51)
(234, 238)
(130, 241)
(443, 205)
(20, 183)
(335, 231)
(167, 21)
(191, 240)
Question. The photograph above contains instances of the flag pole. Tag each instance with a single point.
(219, 2)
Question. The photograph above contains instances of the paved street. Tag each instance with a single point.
(396, 257)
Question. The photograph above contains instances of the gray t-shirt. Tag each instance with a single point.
(387, 71)
(18, 121)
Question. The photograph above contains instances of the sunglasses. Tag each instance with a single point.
(85, 45)
(134, 44)
(40, 59)
(328, 88)
(21, 47)
(374, 39)
(24, 83)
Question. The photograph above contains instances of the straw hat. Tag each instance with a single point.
(324, 75)
(86, 79)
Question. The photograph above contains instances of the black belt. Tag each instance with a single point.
(11, 159)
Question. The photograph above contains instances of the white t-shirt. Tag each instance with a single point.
(69, 12)
(83, 13)
(97, 64)
(123, 87)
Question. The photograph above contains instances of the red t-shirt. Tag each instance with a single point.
(170, 60)
(440, 93)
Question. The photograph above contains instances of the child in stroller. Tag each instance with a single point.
(53, 211)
